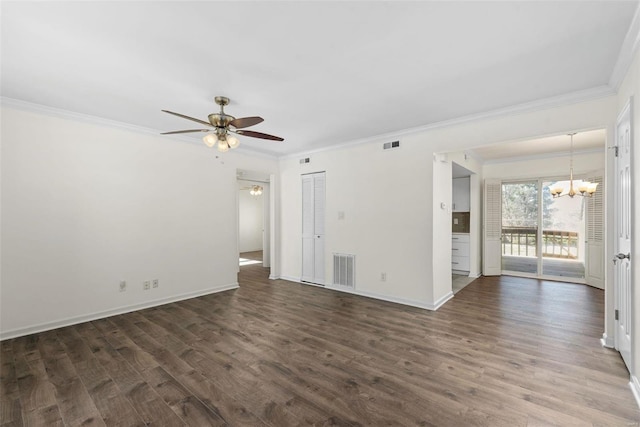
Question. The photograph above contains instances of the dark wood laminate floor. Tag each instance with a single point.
(504, 352)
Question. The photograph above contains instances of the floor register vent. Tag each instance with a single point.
(344, 270)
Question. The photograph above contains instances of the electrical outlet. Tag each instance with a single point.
(155, 283)
(383, 277)
(123, 286)
(146, 285)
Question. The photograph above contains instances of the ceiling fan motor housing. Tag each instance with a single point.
(220, 120)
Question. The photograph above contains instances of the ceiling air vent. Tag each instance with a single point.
(305, 160)
(390, 145)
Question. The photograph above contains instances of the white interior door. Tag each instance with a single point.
(622, 270)
(492, 254)
(313, 218)
(595, 256)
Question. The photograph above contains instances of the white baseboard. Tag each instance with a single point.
(19, 332)
(440, 302)
(635, 388)
(373, 295)
(403, 301)
(291, 279)
(607, 341)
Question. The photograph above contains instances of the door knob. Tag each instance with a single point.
(621, 256)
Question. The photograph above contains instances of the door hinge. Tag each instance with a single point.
(615, 148)
(617, 313)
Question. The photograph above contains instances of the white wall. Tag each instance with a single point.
(557, 166)
(85, 205)
(251, 217)
(391, 199)
(384, 225)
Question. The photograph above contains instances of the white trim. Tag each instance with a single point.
(543, 104)
(86, 118)
(373, 295)
(441, 301)
(290, 279)
(14, 333)
(607, 341)
(395, 300)
(629, 46)
(634, 384)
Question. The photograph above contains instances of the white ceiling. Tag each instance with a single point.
(320, 73)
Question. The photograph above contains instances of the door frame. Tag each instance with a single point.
(267, 181)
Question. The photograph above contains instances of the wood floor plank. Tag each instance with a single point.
(504, 352)
(114, 408)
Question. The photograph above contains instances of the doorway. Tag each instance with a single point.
(253, 218)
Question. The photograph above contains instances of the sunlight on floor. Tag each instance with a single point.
(245, 261)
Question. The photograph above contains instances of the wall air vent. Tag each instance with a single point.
(305, 160)
(344, 270)
(390, 145)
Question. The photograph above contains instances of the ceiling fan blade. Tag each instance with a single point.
(245, 122)
(185, 131)
(254, 134)
(188, 118)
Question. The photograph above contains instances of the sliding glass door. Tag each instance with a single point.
(542, 236)
(563, 236)
(520, 227)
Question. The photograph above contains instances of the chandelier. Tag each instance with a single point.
(584, 188)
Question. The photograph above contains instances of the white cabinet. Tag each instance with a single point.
(460, 252)
(461, 201)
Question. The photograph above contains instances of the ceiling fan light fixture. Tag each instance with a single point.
(233, 141)
(220, 125)
(223, 146)
(210, 139)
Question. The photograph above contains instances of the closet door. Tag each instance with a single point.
(492, 253)
(595, 256)
(313, 214)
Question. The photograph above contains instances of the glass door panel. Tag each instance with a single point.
(563, 235)
(520, 227)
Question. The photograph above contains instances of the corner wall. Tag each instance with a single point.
(86, 205)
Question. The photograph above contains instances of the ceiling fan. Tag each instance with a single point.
(223, 125)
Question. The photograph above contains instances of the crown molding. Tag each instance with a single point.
(629, 47)
(529, 107)
(95, 120)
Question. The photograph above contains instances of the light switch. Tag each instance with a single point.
(455, 221)
(340, 214)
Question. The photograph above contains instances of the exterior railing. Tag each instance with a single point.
(521, 241)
